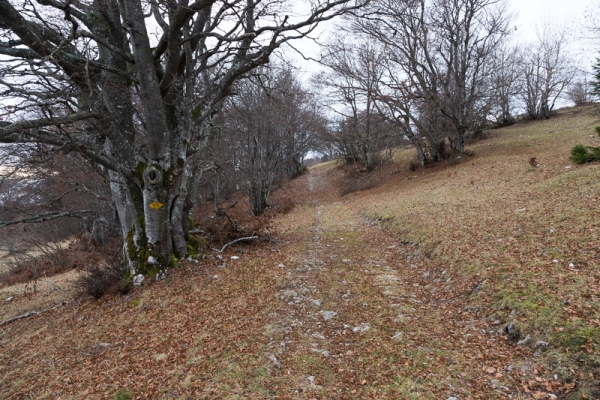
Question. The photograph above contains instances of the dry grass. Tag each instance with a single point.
(530, 232)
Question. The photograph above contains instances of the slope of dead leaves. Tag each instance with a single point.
(400, 291)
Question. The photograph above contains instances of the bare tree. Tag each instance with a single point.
(580, 92)
(39, 184)
(353, 83)
(440, 52)
(271, 122)
(547, 71)
(133, 86)
(505, 83)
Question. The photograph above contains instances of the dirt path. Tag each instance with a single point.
(335, 307)
(363, 316)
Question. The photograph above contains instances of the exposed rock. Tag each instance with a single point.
(138, 280)
(513, 332)
(327, 315)
(287, 295)
(274, 360)
(541, 344)
(317, 302)
(478, 288)
(161, 275)
(324, 353)
(318, 335)
(361, 328)
(524, 341)
(235, 258)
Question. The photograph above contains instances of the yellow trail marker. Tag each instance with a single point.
(156, 205)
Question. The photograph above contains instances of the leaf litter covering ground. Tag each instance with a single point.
(366, 296)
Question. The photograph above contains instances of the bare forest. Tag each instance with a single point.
(142, 139)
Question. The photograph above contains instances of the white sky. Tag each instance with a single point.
(529, 13)
(569, 12)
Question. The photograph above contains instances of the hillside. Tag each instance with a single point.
(475, 280)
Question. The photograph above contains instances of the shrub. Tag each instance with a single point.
(99, 279)
(286, 204)
(103, 271)
(533, 162)
(52, 259)
(581, 154)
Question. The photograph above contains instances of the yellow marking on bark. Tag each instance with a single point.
(156, 205)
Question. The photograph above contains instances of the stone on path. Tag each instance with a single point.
(361, 328)
(327, 315)
(287, 295)
(274, 360)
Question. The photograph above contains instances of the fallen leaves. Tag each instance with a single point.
(195, 336)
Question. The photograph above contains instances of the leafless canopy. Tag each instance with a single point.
(438, 60)
(133, 86)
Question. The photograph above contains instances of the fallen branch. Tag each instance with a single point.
(48, 216)
(235, 241)
(30, 314)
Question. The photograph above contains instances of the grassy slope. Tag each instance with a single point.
(532, 234)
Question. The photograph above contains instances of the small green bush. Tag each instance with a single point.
(581, 154)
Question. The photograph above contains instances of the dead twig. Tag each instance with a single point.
(30, 314)
(235, 241)
(54, 284)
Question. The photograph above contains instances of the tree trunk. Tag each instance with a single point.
(459, 142)
(259, 195)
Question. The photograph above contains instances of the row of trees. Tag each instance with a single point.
(433, 71)
(168, 102)
(265, 131)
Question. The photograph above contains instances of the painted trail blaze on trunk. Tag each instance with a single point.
(152, 243)
(148, 243)
(157, 217)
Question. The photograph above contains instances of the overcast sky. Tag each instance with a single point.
(529, 13)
